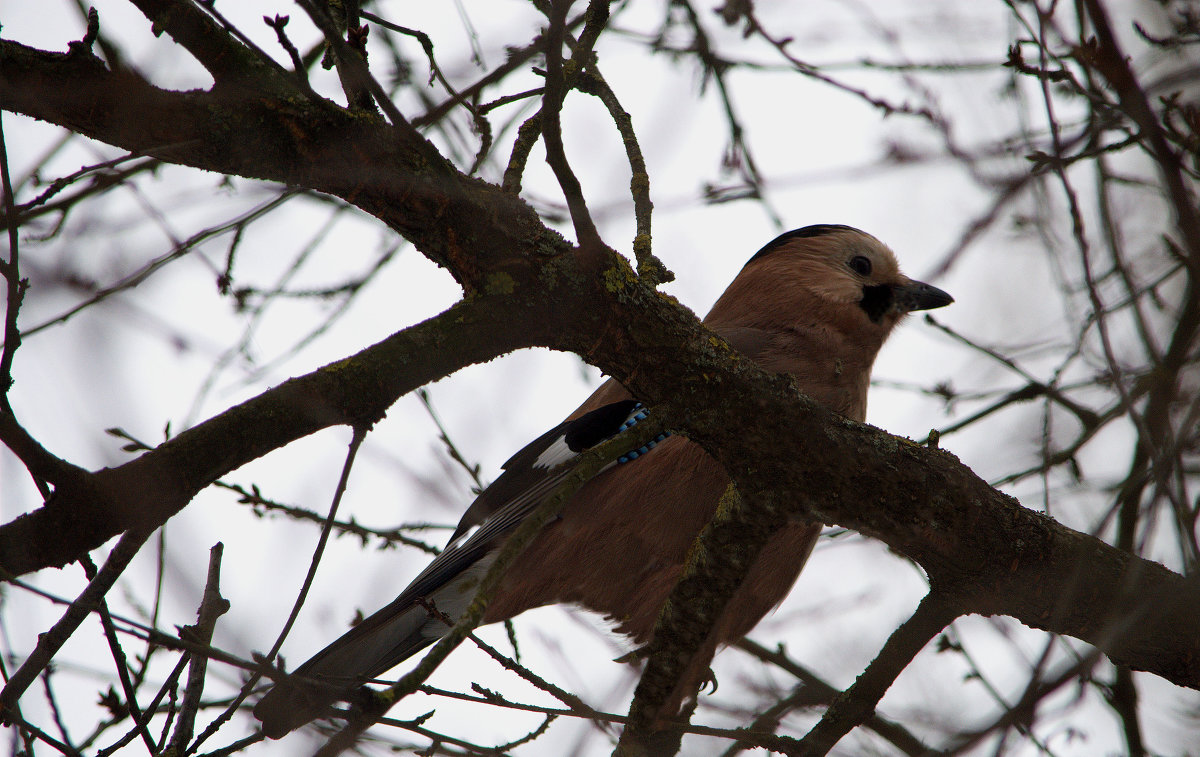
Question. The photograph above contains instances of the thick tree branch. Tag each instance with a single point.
(87, 510)
(984, 552)
(392, 173)
(39, 461)
(981, 549)
(716, 568)
(224, 56)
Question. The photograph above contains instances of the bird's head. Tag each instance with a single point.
(829, 277)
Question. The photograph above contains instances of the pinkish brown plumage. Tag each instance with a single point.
(816, 303)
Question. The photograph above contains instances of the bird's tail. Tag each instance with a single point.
(368, 650)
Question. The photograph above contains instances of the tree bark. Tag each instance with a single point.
(528, 287)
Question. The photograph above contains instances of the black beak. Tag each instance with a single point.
(917, 295)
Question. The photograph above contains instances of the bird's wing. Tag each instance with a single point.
(537, 461)
(408, 623)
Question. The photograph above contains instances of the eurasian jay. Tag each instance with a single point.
(817, 303)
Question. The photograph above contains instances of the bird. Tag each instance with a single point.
(816, 303)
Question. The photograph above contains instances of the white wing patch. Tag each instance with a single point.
(461, 540)
(555, 454)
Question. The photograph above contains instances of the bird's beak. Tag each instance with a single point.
(917, 295)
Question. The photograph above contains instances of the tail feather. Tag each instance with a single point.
(382, 641)
(369, 649)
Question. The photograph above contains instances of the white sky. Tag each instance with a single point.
(819, 150)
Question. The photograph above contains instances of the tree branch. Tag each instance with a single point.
(394, 174)
(812, 689)
(87, 510)
(50, 642)
(784, 452)
(1113, 64)
(855, 705)
(224, 56)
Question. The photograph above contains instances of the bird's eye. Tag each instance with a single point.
(860, 265)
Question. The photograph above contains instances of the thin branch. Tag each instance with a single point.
(515, 60)
(88, 601)
(102, 182)
(212, 607)
(858, 703)
(278, 23)
(472, 469)
(1021, 712)
(571, 700)
(122, 665)
(1123, 698)
(169, 685)
(42, 465)
(648, 266)
(149, 269)
(30, 732)
(573, 474)
(815, 688)
(523, 143)
(356, 440)
(389, 536)
(1113, 64)
(551, 123)
(738, 155)
(15, 288)
(55, 712)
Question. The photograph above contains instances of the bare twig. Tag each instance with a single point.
(356, 440)
(88, 601)
(551, 123)
(857, 703)
(359, 433)
(812, 688)
(278, 23)
(212, 607)
(140, 720)
(15, 286)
